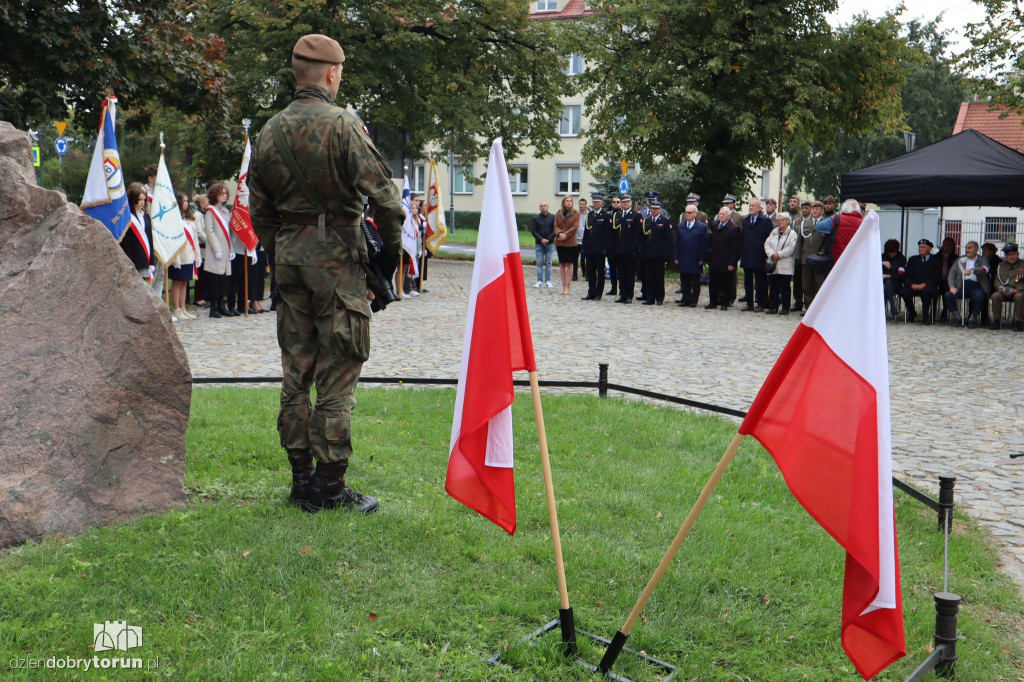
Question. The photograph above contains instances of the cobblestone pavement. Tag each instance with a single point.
(947, 385)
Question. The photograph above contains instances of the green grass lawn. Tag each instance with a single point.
(467, 236)
(242, 586)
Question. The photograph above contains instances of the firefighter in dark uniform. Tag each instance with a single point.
(655, 248)
(613, 270)
(597, 243)
(627, 242)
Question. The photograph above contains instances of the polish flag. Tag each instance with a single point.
(497, 343)
(241, 223)
(823, 414)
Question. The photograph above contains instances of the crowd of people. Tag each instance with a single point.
(785, 257)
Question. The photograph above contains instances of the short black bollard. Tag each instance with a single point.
(947, 606)
(946, 485)
(602, 379)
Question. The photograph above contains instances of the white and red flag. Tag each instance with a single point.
(497, 343)
(823, 415)
(241, 223)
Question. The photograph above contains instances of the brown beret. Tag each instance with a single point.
(816, 204)
(316, 47)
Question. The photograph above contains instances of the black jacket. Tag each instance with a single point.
(133, 248)
(723, 246)
(597, 240)
(656, 238)
(627, 237)
(920, 272)
(543, 227)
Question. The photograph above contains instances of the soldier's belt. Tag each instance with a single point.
(321, 220)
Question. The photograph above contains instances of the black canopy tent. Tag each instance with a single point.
(967, 169)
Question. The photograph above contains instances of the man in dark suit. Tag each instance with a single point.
(627, 242)
(922, 278)
(723, 253)
(756, 229)
(613, 270)
(690, 253)
(597, 243)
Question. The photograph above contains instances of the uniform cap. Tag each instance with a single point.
(729, 199)
(596, 197)
(655, 204)
(624, 197)
(817, 204)
(926, 243)
(1010, 248)
(316, 47)
(693, 197)
(651, 195)
(829, 198)
(807, 202)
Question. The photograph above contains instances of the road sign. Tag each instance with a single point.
(61, 125)
(623, 164)
(35, 156)
(624, 185)
(60, 145)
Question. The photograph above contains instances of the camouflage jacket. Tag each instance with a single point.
(340, 163)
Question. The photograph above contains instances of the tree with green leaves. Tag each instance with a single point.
(64, 58)
(996, 55)
(433, 72)
(931, 99)
(731, 83)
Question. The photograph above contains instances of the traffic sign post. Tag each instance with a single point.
(60, 145)
(624, 185)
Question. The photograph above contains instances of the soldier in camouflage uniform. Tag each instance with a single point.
(323, 317)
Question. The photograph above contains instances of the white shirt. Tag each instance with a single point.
(970, 266)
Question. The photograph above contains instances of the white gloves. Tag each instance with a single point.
(231, 256)
(219, 256)
(152, 271)
(252, 255)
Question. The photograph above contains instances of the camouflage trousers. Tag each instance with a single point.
(323, 329)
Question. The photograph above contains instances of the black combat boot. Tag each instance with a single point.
(329, 491)
(302, 476)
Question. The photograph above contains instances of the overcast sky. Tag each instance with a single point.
(958, 13)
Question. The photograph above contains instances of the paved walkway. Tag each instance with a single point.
(947, 385)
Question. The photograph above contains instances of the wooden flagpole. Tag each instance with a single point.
(401, 274)
(620, 637)
(167, 290)
(423, 259)
(566, 619)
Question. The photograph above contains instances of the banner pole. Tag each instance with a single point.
(565, 612)
(401, 274)
(167, 290)
(245, 273)
(423, 260)
(620, 637)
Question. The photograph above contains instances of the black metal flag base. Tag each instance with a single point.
(612, 652)
(566, 623)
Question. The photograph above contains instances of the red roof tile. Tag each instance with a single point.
(574, 9)
(987, 119)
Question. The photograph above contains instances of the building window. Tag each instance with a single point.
(518, 178)
(568, 180)
(570, 123)
(419, 178)
(575, 66)
(547, 5)
(954, 231)
(1000, 229)
(463, 173)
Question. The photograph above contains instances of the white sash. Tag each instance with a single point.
(223, 227)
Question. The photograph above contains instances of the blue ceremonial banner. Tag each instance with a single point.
(105, 198)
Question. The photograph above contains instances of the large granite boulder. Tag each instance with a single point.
(94, 385)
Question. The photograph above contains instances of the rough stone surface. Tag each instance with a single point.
(96, 386)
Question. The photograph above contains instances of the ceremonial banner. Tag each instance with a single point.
(105, 198)
(497, 342)
(168, 228)
(437, 230)
(241, 223)
(410, 230)
(823, 414)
